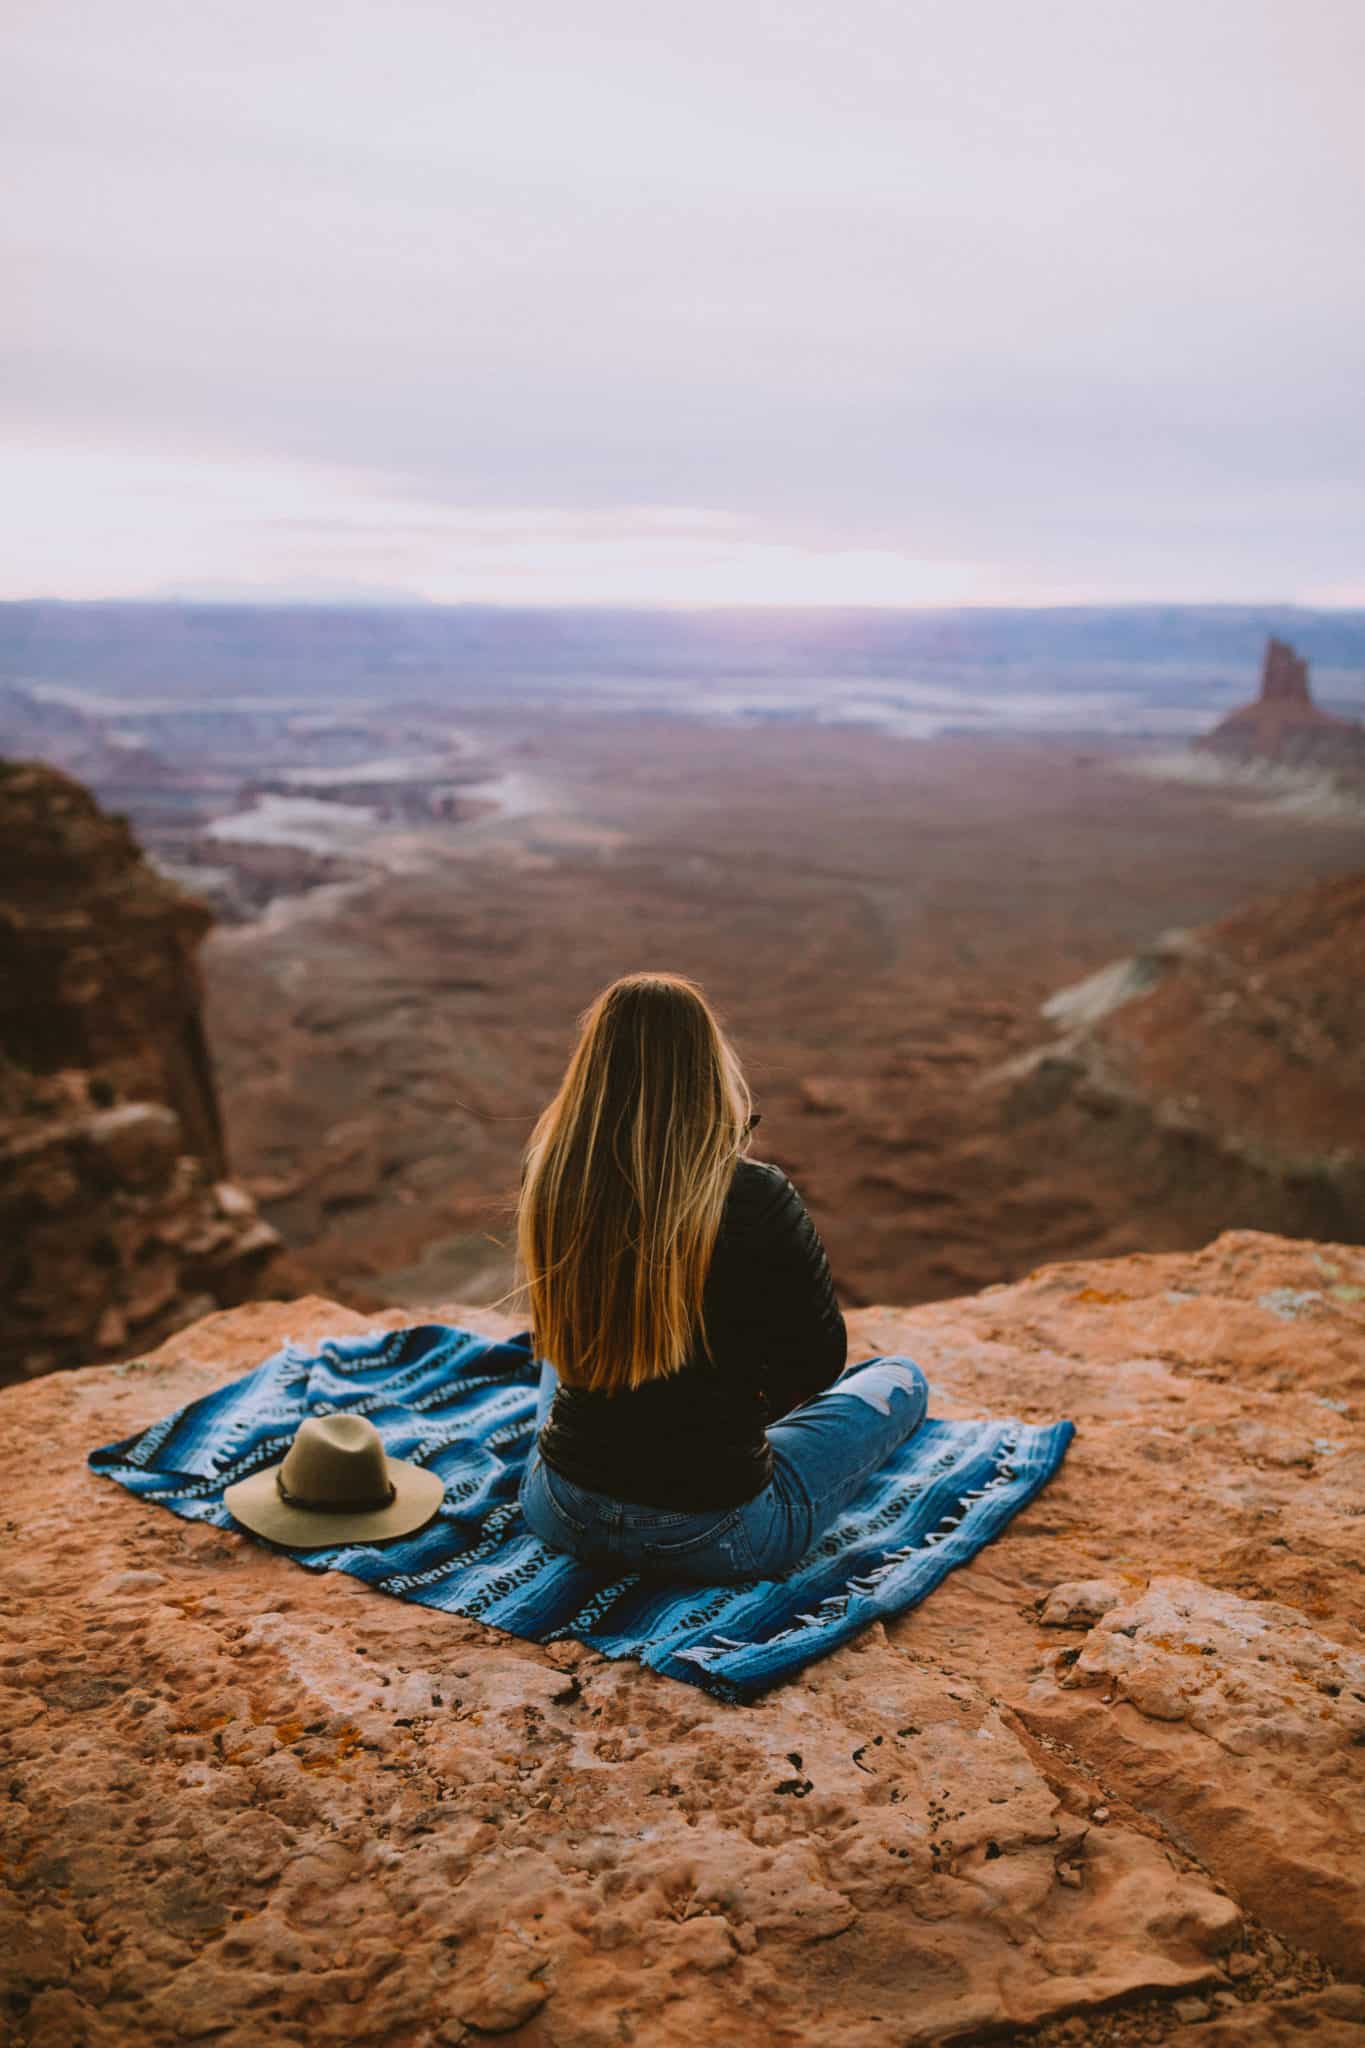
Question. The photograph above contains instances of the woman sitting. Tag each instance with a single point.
(695, 1418)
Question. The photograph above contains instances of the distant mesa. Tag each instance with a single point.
(1284, 725)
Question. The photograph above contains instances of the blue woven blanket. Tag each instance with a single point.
(464, 1405)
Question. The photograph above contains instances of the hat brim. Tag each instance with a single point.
(256, 1504)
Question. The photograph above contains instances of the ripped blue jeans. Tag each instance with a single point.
(822, 1454)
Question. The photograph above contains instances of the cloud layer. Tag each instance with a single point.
(943, 299)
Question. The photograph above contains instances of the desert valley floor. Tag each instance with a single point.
(877, 918)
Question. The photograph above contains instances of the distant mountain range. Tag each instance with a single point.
(331, 646)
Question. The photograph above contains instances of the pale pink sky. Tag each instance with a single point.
(931, 300)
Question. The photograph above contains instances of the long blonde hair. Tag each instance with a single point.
(624, 1179)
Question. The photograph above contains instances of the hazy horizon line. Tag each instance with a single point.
(415, 601)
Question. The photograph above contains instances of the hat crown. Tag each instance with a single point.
(337, 1461)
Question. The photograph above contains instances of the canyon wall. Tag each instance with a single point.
(117, 1215)
(1216, 1072)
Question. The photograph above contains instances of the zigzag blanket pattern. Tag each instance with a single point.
(464, 1405)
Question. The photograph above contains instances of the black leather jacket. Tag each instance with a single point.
(696, 1439)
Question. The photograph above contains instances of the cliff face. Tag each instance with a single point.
(1102, 1786)
(115, 1210)
(1218, 1072)
(97, 956)
(1258, 1022)
(1284, 724)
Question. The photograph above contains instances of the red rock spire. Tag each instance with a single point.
(1284, 724)
(1284, 674)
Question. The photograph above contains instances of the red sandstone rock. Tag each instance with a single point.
(1284, 724)
(1223, 1063)
(97, 955)
(110, 1139)
(139, 1141)
(1102, 1767)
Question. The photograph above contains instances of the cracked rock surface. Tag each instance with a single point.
(1104, 1786)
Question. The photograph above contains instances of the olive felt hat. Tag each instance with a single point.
(335, 1485)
